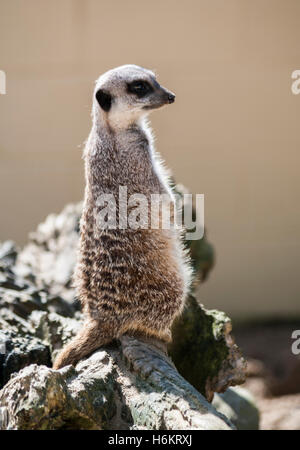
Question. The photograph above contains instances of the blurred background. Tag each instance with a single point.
(233, 133)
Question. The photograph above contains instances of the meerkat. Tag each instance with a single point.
(128, 280)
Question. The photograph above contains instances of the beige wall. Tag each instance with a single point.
(233, 133)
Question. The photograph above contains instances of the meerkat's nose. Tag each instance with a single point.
(171, 98)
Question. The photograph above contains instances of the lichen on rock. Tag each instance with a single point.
(204, 351)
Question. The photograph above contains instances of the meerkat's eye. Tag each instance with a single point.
(140, 88)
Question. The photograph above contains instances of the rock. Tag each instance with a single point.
(9, 281)
(8, 254)
(59, 305)
(23, 302)
(54, 329)
(130, 386)
(17, 352)
(201, 251)
(203, 257)
(11, 321)
(50, 254)
(167, 400)
(238, 405)
(204, 351)
(25, 299)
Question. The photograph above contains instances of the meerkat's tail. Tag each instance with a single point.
(92, 336)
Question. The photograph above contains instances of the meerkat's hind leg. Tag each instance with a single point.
(164, 336)
(92, 336)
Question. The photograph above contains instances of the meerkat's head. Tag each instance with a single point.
(125, 94)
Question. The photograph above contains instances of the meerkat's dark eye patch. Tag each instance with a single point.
(104, 99)
(139, 88)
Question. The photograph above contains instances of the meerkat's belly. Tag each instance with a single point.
(134, 274)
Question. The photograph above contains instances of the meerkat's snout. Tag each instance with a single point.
(171, 98)
(160, 97)
(167, 96)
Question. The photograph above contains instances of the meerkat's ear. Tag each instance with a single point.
(104, 99)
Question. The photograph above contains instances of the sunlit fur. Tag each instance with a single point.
(128, 281)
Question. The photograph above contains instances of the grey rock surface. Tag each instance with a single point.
(131, 384)
(238, 405)
(20, 351)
